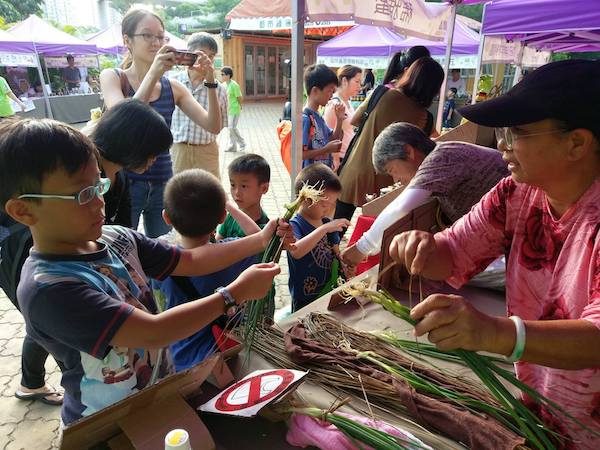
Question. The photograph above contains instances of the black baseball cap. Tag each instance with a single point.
(566, 90)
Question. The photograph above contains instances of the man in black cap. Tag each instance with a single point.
(546, 218)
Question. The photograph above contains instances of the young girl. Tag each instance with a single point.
(349, 85)
(143, 78)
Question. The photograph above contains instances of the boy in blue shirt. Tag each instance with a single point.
(318, 140)
(315, 254)
(194, 205)
(84, 289)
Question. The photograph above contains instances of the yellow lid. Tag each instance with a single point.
(177, 439)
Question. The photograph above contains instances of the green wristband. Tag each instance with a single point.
(519, 349)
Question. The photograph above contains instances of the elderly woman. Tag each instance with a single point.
(457, 173)
(546, 217)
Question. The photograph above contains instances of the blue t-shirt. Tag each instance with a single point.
(194, 349)
(310, 274)
(74, 304)
(315, 135)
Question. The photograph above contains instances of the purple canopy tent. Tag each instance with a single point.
(110, 41)
(50, 41)
(366, 40)
(12, 44)
(21, 52)
(373, 46)
(555, 25)
(363, 40)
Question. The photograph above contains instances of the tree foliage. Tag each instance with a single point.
(15, 11)
(123, 5)
(210, 14)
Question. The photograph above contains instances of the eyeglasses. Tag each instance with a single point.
(82, 197)
(149, 37)
(509, 137)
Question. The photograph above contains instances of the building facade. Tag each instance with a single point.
(260, 62)
(90, 13)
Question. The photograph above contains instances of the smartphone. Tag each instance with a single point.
(185, 58)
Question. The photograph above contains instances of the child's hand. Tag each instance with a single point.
(230, 206)
(336, 225)
(340, 111)
(334, 146)
(284, 231)
(279, 227)
(267, 232)
(254, 282)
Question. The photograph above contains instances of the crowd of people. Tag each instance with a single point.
(118, 309)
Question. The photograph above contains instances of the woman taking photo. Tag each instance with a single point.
(407, 102)
(143, 78)
(349, 85)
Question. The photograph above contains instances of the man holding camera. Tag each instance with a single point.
(193, 146)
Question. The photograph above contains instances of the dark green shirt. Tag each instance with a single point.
(230, 228)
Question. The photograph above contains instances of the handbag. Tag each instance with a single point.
(373, 100)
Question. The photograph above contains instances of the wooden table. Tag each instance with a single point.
(262, 434)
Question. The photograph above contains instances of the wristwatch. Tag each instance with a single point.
(211, 85)
(230, 304)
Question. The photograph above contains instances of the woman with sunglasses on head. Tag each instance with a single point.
(142, 78)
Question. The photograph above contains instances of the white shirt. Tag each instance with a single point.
(183, 128)
(459, 85)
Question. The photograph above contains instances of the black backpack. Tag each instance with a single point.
(14, 249)
(373, 100)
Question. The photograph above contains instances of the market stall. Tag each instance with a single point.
(53, 44)
(74, 108)
(260, 432)
(372, 47)
(412, 18)
(532, 31)
(15, 52)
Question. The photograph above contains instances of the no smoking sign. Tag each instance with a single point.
(249, 395)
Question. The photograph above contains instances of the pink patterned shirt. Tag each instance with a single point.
(552, 273)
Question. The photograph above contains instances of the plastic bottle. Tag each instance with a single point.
(177, 439)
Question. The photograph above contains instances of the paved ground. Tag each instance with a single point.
(33, 425)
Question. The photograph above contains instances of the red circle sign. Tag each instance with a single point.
(252, 391)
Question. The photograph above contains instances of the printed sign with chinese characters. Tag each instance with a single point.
(18, 59)
(410, 17)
